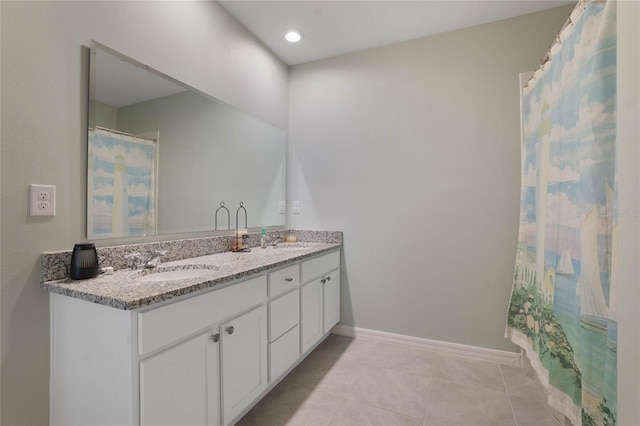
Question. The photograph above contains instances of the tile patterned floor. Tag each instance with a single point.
(360, 382)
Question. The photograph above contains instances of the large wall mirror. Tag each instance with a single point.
(163, 156)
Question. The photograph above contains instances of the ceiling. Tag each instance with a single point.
(332, 28)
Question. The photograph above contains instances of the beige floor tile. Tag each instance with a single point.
(401, 358)
(391, 390)
(311, 370)
(359, 382)
(466, 371)
(290, 404)
(530, 412)
(334, 346)
(318, 410)
(341, 379)
(520, 385)
(453, 404)
(346, 348)
(277, 407)
(355, 414)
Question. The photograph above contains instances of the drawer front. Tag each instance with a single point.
(320, 265)
(284, 280)
(284, 313)
(283, 353)
(163, 325)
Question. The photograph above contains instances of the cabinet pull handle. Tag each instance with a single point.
(324, 280)
(215, 337)
(229, 329)
(288, 279)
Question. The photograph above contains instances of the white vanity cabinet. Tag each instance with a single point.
(181, 385)
(319, 298)
(199, 359)
(231, 363)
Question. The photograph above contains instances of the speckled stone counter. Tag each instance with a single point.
(125, 290)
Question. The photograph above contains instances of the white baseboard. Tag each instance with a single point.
(484, 354)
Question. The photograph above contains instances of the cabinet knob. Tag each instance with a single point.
(229, 329)
(215, 337)
(329, 278)
(324, 280)
(288, 279)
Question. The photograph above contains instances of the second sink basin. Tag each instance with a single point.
(172, 273)
(180, 274)
(293, 246)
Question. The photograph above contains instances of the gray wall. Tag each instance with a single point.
(44, 119)
(413, 151)
(628, 137)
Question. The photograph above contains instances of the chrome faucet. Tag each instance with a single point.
(275, 240)
(149, 261)
(154, 258)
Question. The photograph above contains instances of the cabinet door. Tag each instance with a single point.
(244, 361)
(181, 385)
(311, 314)
(331, 300)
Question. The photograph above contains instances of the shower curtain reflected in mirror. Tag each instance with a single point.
(563, 304)
(121, 184)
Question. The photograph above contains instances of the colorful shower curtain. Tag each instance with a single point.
(121, 184)
(563, 303)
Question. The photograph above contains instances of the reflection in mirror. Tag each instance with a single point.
(162, 156)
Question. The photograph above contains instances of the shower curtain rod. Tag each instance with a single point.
(558, 39)
(119, 132)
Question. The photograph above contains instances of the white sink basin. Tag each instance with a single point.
(293, 246)
(180, 274)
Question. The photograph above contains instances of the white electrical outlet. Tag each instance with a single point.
(281, 207)
(296, 207)
(42, 200)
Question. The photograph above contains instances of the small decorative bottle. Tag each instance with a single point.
(263, 239)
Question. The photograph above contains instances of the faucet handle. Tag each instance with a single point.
(153, 259)
(136, 259)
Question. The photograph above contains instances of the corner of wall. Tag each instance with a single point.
(628, 16)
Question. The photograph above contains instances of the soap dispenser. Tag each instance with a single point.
(263, 239)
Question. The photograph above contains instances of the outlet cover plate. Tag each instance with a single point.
(42, 200)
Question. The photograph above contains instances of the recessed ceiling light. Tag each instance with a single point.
(293, 36)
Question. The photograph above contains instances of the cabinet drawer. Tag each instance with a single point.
(320, 265)
(283, 353)
(283, 280)
(284, 313)
(163, 325)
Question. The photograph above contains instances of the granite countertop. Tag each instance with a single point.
(123, 290)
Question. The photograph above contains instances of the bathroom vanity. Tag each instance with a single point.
(169, 347)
